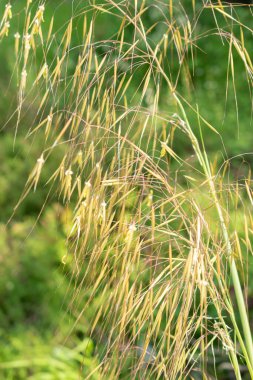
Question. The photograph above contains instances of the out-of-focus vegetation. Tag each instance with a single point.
(46, 332)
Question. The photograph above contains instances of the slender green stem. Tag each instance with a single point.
(233, 269)
(235, 279)
(242, 310)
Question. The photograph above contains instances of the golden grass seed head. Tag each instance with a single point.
(17, 42)
(5, 29)
(8, 10)
(69, 172)
(23, 80)
(41, 160)
(40, 13)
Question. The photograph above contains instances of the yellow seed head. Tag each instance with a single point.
(17, 39)
(8, 10)
(5, 29)
(23, 80)
(40, 13)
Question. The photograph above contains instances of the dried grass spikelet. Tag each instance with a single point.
(43, 73)
(49, 123)
(130, 233)
(17, 43)
(102, 213)
(4, 32)
(5, 21)
(38, 19)
(57, 71)
(23, 81)
(27, 46)
(79, 159)
(67, 184)
(85, 195)
(34, 177)
(67, 37)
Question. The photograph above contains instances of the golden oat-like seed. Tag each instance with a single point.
(27, 47)
(102, 213)
(40, 163)
(43, 73)
(8, 10)
(49, 124)
(23, 80)
(17, 42)
(130, 233)
(5, 30)
(67, 185)
(7, 15)
(40, 13)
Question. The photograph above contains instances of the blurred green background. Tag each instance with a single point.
(35, 287)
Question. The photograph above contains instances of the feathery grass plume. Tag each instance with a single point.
(153, 234)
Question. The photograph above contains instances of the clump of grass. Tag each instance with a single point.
(160, 252)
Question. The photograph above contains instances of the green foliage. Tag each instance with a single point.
(33, 289)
